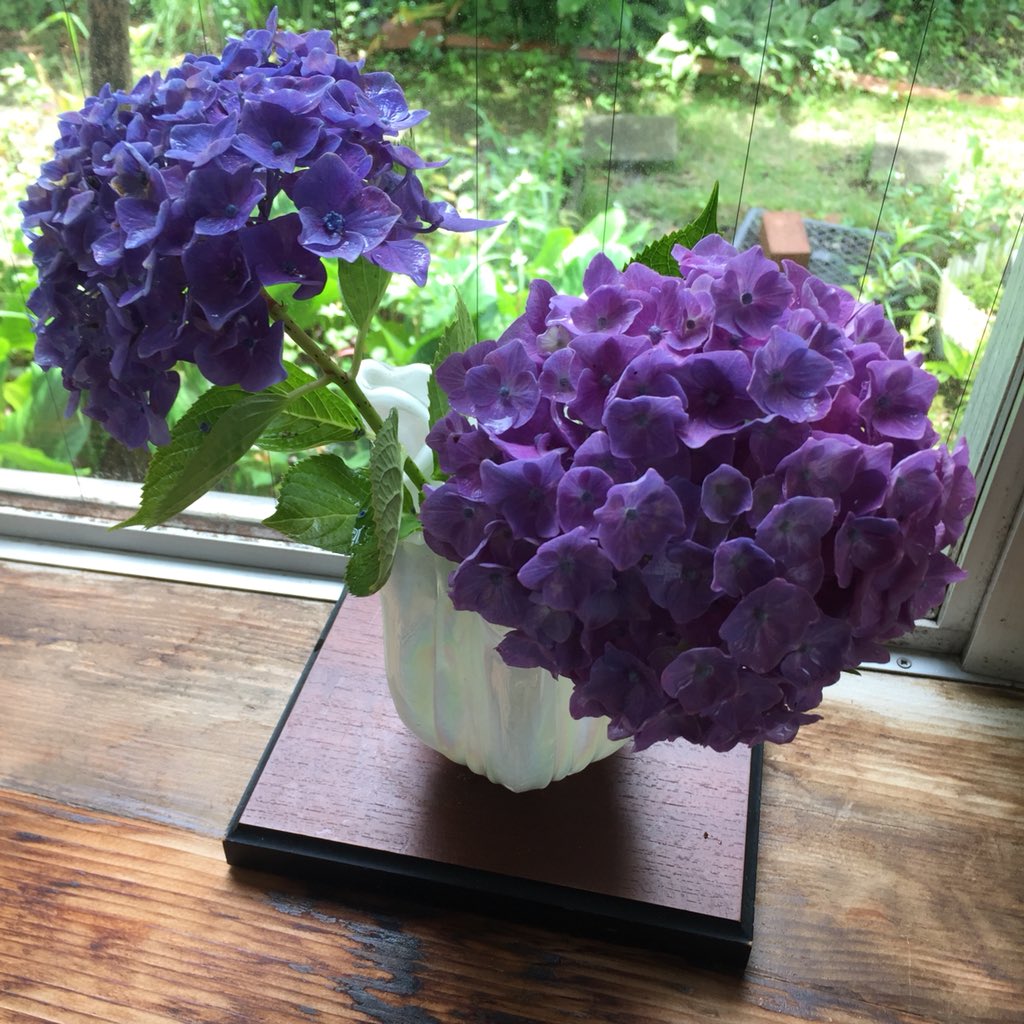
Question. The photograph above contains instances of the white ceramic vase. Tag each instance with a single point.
(453, 691)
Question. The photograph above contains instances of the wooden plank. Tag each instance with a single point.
(105, 918)
(889, 882)
(892, 836)
(139, 696)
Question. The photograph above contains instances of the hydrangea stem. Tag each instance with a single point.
(344, 380)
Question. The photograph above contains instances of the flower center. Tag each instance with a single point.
(333, 222)
(277, 147)
(746, 298)
(630, 514)
(230, 210)
(690, 323)
(504, 391)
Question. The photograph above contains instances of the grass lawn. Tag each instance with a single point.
(815, 157)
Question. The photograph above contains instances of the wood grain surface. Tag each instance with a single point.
(140, 696)
(672, 821)
(890, 880)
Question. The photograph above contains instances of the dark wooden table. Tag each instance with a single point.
(132, 713)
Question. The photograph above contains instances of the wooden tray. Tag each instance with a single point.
(657, 848)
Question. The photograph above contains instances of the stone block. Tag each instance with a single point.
(920, 160)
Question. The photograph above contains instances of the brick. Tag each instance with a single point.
(784, 237)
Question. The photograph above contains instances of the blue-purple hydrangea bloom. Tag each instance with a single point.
(700, 498)
(166, 209)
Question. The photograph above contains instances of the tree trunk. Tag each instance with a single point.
(109, 53)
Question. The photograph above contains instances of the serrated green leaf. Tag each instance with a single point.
(370, 565)
(322, 503)
(460, 333)
(362, 285)
(457, 337)
(363, 569)
(386, 490)
(658, 255)
(219, 428)
(437, 399)
(313, 419)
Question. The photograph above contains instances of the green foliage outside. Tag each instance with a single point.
(520, 155)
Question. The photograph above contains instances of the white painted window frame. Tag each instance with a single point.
(219, 542)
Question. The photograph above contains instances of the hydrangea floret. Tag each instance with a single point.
(168, 209)
(699, 494)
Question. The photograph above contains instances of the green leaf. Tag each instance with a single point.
(219, 428)
(658, 255)
(16, 329)
(370, 565)
(37, 418)
(410, 524)
(460, 333)
(322, 503)
(15, 455)
(363, 285)
(457, 337)
(315, 418)
(438, 400)
(363, 569)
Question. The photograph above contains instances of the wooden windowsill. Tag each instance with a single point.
(133, 711)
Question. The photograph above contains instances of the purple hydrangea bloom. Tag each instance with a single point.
(679, 579)
(581, 492)
(751, 294)
(523, 491)
(725, 493)
(740, 566)
(899, 395)
(789, 378)
(792, 531)
(636, 519)
(711, 506)
(173, 186)
(768, 623)
(621, 686)
(701, 678)
(453, 522)
(717, 399)
(502, 391)
(567, 570)
(340, 215)
(490, 589)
